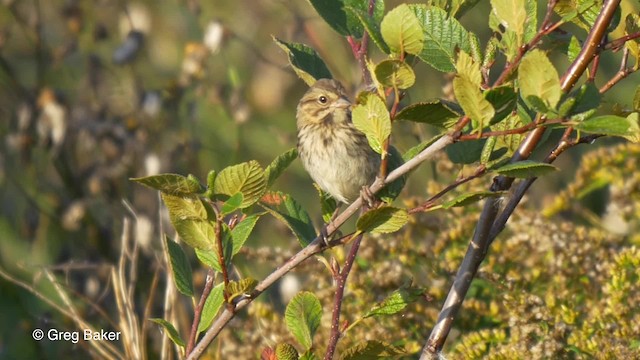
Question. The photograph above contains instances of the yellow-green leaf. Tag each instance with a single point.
(371, 117)
(401, 31)
(172, 184)
(467, 68)
(538, 77)
(247, 178)
(382, 220)
(170, 330)
(472, 101)
(395, 74)
(191, 220)
(211, 307)
(240, 287)
(526, 169)
(302, 317)
(512, 15)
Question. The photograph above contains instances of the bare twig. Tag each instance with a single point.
(621, 74)
(480, 170)
(341, 280)
(208, 285)
(616, 44)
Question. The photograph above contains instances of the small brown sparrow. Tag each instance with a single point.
(336, 154)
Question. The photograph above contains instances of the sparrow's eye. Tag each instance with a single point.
(322, 99)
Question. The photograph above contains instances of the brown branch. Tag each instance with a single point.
(480, 170)
(616, 44)
(341, 280)
(221, 259)
(197, 313)
(621, 74)
(481, 240)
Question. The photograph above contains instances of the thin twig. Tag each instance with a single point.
(339, 295)
(480, 170)
(208, 285)
(621, 74)
(221, 259)
(616, 44)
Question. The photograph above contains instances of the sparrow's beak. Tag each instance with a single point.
(341, 103)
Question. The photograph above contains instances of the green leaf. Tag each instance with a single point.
(247, 178)
(286, 352)
(476, 52)
(211, 307)
(371, 26)
(580, 101)
(465, 152)
(490, 52)
(372, 349)
(306, 62)
(286, 209)
(241, 232)
(382, 220)
(611, 125)
(538, 77)
(180, 268)
(512, 15)
(240, 288)
(581, 12)
(470, 198)
(185, 207)
(443, 37)
(526, 169)
(346, 23)
(469, 69)
(574, 49)
(209, 258)
(437, 112)
(232, 204)
(302, 317)
(309, 355)
(487, 150)
(190, 218)
(279, 165)
(172, 184)
(328, 204)
(636, 99)
(632, 26)
(396, 74)
(531, 24)
(634, 128)
(396, 302)
(472, 101)
(371, 117)
(170, 331)
(504, 100)
(401, 31)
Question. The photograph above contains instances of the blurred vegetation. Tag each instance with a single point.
(87, 103)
